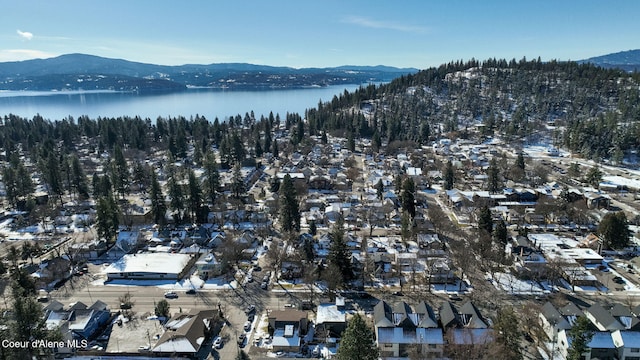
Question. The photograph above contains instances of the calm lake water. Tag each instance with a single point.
(210, 103)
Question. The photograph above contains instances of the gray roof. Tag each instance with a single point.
(470, 317)
(382, 315)
(553, 317)
(426, 316)
(605, 321)
(448, 315)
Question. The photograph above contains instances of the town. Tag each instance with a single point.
(459, 247)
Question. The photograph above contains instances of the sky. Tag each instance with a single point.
(318, 33)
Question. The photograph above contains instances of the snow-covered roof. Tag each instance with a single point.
(150, 263)
(329, 313)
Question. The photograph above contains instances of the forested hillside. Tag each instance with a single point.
(593, 111)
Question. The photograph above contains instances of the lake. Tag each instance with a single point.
(206, 102)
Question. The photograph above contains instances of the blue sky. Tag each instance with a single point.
(318, 33)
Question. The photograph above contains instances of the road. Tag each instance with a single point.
(89, 288)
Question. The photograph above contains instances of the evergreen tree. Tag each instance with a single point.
(120, 171)
(162, 308)
(79, 180)
(485, 221)
(195, 195)
(357, 341)
(614, 230)
(520, 161)
(289, 209)
(212, 177)
(339, 254)
(500, 233)
(594, 176)
(449, 176)
(107, 218)
(581, 334)
(237, 183)
(313, 228)
(407, 197)
(158, 205)
(177, 197)
(493, 173)
(508, 334)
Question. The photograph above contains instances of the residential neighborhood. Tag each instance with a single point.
(409, 277)
(267, 237)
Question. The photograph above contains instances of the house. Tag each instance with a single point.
(126, 243)
(553, 321)
(331, 319)
(185, 333)
(287, 328)
(464, 327)
(84, 323)
(148, 266)
(51, 272)
(398, 328)
(627, 343)
(208, 266)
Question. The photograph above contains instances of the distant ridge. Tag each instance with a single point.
(89, 72)
(625, 60)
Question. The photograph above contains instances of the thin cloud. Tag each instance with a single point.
(25, 34)
(378, 24)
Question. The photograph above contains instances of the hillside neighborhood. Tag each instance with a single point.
(412, 279)
(404, 221)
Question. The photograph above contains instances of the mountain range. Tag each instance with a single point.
(88, 72)
(624, 60)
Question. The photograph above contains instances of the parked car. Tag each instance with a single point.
(217, 343)
(264, 286)
(171, 295)
(247, 326)
(250, 309)
(241, 338)
(251, 317)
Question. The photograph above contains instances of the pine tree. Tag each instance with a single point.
(212, 177)
(493, 173)
(339, 254)
(485, 221)
(520, 161)
(289, 209)
(614, 230)
(195, 195)
(357, 341)
(107, 214)
(158, 206)
(407, 197)
(449, 176)
(237, 183)
(581, 334)
(120, 171)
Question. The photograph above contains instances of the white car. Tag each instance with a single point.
(171, 295)
(247, 326)
(217, 343)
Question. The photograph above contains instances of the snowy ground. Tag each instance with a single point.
(512, 285)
